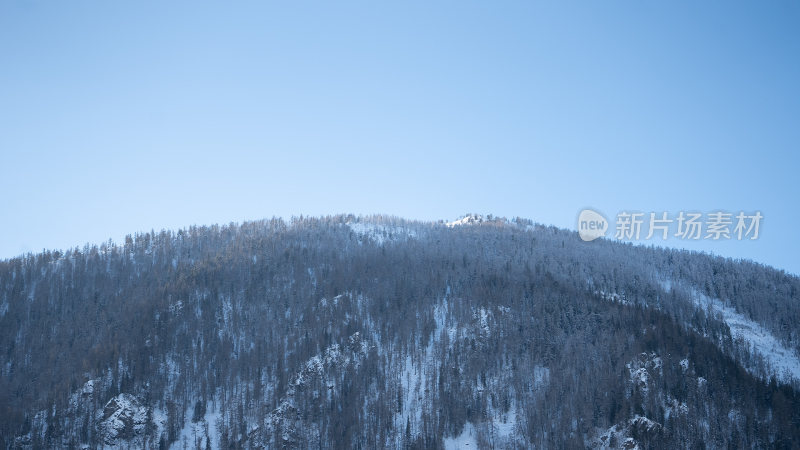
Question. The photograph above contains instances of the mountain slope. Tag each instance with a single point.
(377, 332)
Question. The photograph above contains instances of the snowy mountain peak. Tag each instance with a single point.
(469, 219)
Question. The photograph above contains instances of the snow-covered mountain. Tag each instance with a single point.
(377, 332)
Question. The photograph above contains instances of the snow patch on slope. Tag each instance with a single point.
(467, 439)
(415, 374)
(783, 361)
(196, 434)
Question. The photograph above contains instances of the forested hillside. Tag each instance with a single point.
(376, 332)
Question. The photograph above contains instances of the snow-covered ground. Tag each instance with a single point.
(467, 439)
(783, 361)
(194, 433)
(415, 374)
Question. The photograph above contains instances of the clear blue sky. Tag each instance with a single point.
(117, 117)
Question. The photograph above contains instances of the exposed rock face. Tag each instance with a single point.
(123, 418)
(629, 435)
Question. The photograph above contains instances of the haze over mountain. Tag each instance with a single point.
(379, 332)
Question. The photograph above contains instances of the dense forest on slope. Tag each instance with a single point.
(376, 332)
